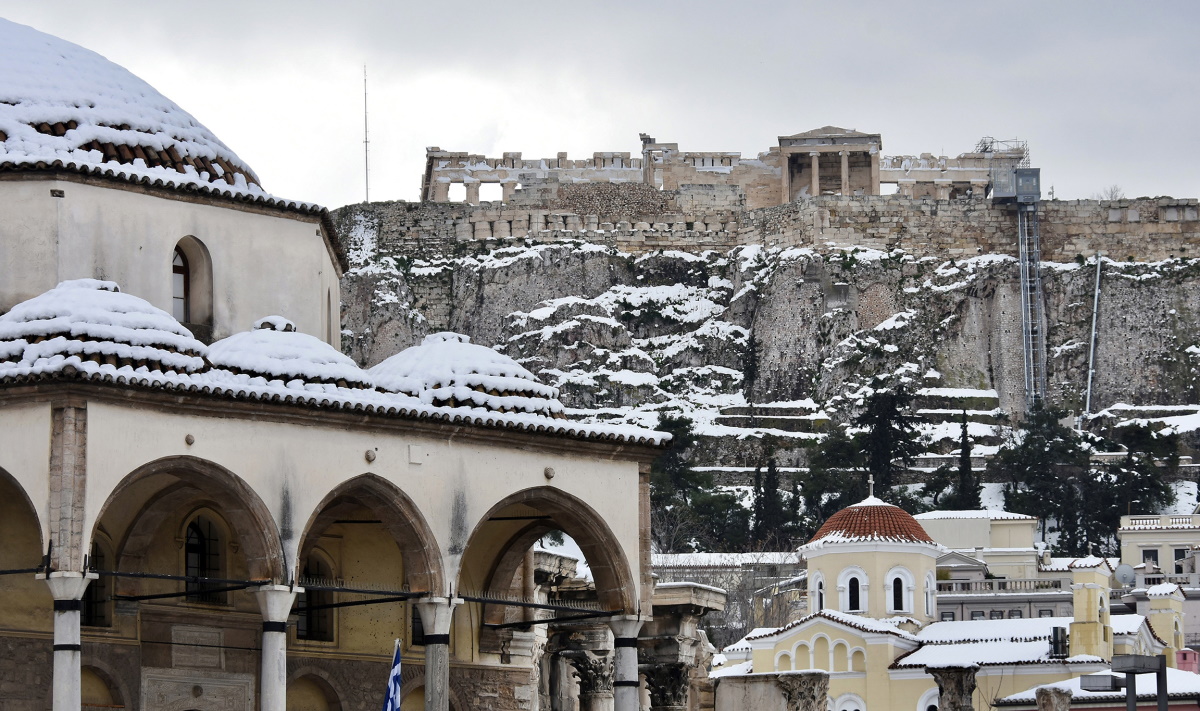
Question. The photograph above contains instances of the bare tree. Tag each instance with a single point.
(1112, 192)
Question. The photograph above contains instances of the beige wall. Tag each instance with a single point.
(116, 234)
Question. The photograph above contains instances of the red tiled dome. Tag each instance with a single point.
(872, 520)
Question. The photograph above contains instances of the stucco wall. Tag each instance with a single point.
(259, 258)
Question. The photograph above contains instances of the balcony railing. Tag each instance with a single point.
(1187, 580)
(1164, 521)
(1000, 585)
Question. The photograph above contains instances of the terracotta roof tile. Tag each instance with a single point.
(870, 521)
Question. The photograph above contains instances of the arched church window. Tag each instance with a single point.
(180, 287)
(897, 594)
(315, 621)
(853, 595)
(820, 595)
(202, 553)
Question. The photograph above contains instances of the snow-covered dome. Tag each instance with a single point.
(65, 106)
(275, 350)
(87, 321)
(870, 520)
(446, 369)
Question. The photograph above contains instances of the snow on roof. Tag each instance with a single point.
(275, 350)
(743, 644)
(1030, 628)
(974, 514)
(739, 669)
(1126, 624)
(724, 560)
(91, 320)
(966, 654)
(1063, 565)
(66, 107)
(865, 624)
(1163, 590)
(1180, 683)
(88, 330)
(447, 369)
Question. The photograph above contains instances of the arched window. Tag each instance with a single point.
(203, 559)
(181, 287)
(316, 620)
(820, 595)
(852, 590)
(930, 594)
(897, 594)
(853, 596)
(900, 589)
(96, 610)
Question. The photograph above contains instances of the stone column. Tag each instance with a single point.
(507, 189)
(441, 191)
(472, 192)
(874, 189)
(437, 613)
(668, 683)
(815, 187)
(1051, 699)
(804, 691)
(595, 673)
(979, 187)
(626, 689)
(845, 172)
(943, 187)
(67, 590)
(275, 604)
(956, 686)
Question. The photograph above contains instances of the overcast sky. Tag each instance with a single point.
(1105, 92)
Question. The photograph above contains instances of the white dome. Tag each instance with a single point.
(87, 320)
(275, 350)
(448, 370)
(62, 105)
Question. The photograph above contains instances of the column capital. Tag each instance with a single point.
(437, 613)
(66, 584)
(275, 601)
(626, 626)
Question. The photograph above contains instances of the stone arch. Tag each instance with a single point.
(858, 659)
(419, 548)
(615, 583)
(928, 699)
(8, 480)
(111, 680)
(849, 702)
(418, 682)
(802, 654)
(821, 653)
(193, 482)
(841, 656)
(199, 278)
(323, 681)
(27, 601)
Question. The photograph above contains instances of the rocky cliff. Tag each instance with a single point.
(774, 340)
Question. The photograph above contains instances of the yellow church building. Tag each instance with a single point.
(872, 585)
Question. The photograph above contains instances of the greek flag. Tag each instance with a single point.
(391, 702)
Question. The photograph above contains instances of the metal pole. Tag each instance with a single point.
(1087, 407)
(366, 138)
(1130, 691)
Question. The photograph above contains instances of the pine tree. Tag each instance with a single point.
(966, 496)
(773, 526)
(891, 441)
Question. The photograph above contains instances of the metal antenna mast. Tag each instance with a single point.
(366, 138)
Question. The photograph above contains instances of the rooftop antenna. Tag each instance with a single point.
(366, 138)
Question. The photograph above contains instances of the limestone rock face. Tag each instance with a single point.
(624, 335)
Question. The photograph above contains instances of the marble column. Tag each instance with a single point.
(595, 673)
(67, 590)
(668, 683)
(845, 172)
(275, 604)
(507, 189)
(626, 688)
(804, 691)
(815, 179)
(956, 686)
(472, 192)
(437, 614)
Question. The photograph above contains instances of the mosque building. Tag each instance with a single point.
(205, 505)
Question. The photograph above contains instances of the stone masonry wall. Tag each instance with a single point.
(1145, 229)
